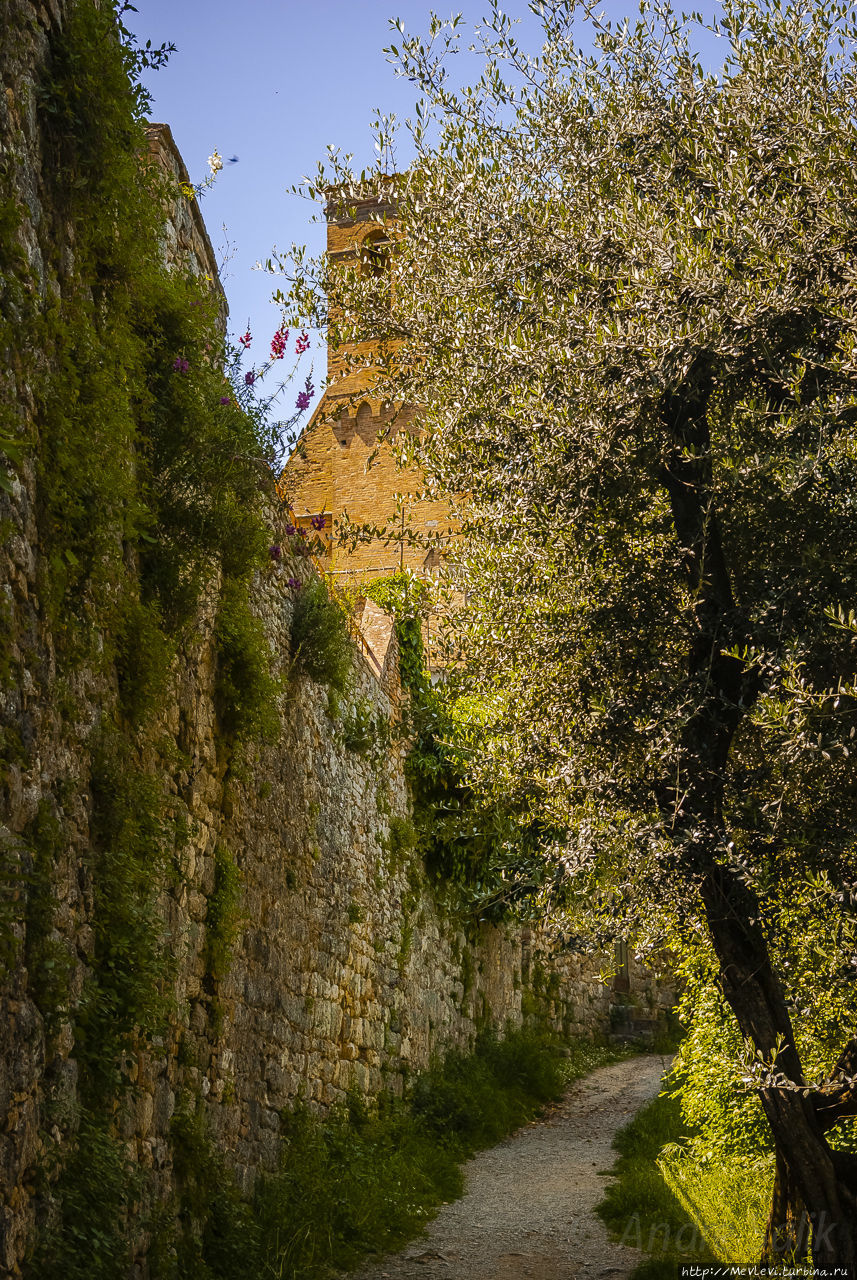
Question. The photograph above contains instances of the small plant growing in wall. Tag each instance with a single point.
(359, 729)
(403, 836)
(223, 918)
(321, 645)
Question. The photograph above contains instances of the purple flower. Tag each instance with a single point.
(294, 583)
(290, 530)
(225, 400)
(318, 522)
(250, 378)
(275, 551)
(180, 365)
(305, 396)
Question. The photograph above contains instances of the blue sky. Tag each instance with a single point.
(273, 82)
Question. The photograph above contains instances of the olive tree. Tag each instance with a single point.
(622, 295)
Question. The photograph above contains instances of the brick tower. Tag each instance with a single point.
(330, 474)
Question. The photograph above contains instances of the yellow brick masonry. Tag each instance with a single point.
(331, 473)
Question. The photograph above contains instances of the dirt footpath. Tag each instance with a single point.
(528, 1209)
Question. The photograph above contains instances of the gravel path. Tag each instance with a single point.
(528, 1209)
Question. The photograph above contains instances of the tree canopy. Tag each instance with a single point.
(622, 295)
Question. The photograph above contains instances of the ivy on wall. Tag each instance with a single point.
(150, 497)
(464, 845)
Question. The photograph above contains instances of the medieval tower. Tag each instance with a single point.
(341, 467)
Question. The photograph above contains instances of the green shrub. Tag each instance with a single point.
(464, 844)
(88, 1239)
(245, 690)
(482, 1096)
(321, 645)
(209, 1231)
(351, 1185)
(405, 597)
(359, 729)
(223, 916)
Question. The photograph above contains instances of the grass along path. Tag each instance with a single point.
(529, 1209)
(679, 1210)
(358, 1181)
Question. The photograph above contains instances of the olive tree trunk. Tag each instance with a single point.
(811, 1177)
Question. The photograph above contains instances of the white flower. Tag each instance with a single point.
(215, 163)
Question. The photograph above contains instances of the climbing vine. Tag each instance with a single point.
(465, 844)
(153, 482)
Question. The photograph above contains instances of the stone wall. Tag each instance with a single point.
(340, 968)
(186, 241)
(346, 972)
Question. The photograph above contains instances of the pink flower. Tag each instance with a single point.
(302, 344)
(246, 339)
(278, 344)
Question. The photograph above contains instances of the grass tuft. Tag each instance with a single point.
(729, 1205)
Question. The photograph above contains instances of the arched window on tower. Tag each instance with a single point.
(364, 424)
(374, 254)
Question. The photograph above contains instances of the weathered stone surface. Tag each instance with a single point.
(342, 976)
